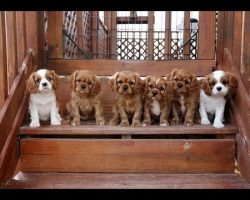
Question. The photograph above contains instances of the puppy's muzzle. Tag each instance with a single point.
(219, 88)
(179, 85)
(45, 84)
(154, 93)
(125, 87)
(83, 87)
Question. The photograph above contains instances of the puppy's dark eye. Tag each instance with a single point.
(176, 79)
(131, 83)
(38, 80)
(120, 81)
(89, 82)
(78, 80)
(161, 88)
(150, 86)
(212, 83)
(187, 81)
(224, 82)
(49, 79)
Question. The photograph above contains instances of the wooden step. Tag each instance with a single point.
(89, 128)
(127, 155)
(125, 181)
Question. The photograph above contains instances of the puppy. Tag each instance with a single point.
(42, 104)
(186, 93)
(85, 100)
(214, 90)
(128, 107)
(157, 96)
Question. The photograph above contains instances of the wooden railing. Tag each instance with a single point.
(233, 54)
(21, 52)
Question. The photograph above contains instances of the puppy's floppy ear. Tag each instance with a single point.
(96, 87)
(145, 83)
(233, 84)
(195, 84)
(112, 81)
(72, 80)
(138, 83)
(31, 84)
(206, 86)
(170, 76)
(56, 79)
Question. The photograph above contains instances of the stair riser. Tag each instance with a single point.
(127, 155)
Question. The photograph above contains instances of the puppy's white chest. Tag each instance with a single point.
(155, 108)
(182, 102)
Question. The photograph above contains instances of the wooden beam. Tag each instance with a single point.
(168, 35)
(206, 45)
(94, 33)
(113, 36)
(11, 46)
(144, 68)
(107, 19)
(40, 37)
(3, 61)
(79, 29)
(150, 35)
(32, 41)
(187, 34)
(55, 34)
(21, 37)
(245, 65)
(129, 20)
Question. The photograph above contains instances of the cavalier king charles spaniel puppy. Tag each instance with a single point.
(42, 104)
(215, 87)
(157, 96)
(85, 99)
(186, 94)
(128, 87)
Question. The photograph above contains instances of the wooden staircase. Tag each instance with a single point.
(95, 156)
(91, 156)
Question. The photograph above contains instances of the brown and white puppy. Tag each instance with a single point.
(85, 99)
(42, 103)
(214, 90)
(157, 96)
(186, 91)
(128, 87)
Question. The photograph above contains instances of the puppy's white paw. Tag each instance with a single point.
(205, 121)
(55, 122)
(144, 124)
(34, 124)
(59, 117)
(218, 125)
(164, 124)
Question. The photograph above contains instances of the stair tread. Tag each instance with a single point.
(126, 180)
(91, 128)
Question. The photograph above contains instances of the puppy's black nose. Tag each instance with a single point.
(179, 85)
(154, 93)
(83, 86)
(44, 84)
(125, 87)
(219, 88)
